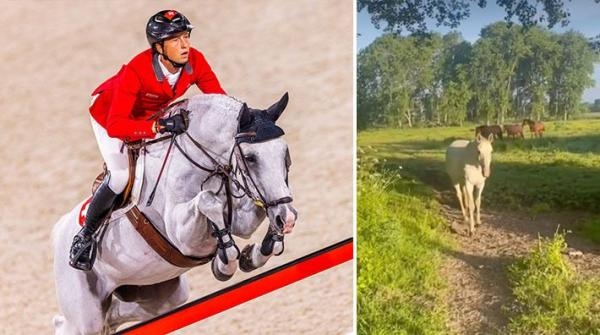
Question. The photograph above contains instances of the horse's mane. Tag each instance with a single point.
(218, 112)
(226, 106)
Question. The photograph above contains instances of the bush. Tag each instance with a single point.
(549, 297)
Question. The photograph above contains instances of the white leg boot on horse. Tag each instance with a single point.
(272, 244)
(83, 249)
(255, 256)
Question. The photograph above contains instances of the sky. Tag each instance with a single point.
(584, 18)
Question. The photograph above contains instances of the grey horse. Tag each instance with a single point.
(468, 165)
(228, 146)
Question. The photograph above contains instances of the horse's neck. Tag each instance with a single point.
(213, 124)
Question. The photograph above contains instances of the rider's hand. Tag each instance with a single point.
(173, 124)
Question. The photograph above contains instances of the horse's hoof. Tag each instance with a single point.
(246, 259)
(218, 274)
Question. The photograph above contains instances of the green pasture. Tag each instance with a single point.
(560, 171)
(401, 235)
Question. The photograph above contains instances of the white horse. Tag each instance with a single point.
(468, 165)
(228, 148)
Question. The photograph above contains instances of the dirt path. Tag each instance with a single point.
(476, 271)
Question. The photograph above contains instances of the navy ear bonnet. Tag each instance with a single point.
(259, 125)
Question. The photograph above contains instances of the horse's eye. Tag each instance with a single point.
(250, 158)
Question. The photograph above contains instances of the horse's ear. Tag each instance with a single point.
(245, 117)
(491, 138)
(478, 137)
(277, 108)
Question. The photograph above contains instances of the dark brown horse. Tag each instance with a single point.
(485, 131)
(536, 128)
(514, 130)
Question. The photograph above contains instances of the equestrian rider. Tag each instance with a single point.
(122, 105)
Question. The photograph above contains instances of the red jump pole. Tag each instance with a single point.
(246, 290)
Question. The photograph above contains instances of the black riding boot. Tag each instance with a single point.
(83, 249)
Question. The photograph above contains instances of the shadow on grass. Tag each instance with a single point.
(547, 195)
(573, 144)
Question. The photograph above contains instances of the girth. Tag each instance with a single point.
(160, 244)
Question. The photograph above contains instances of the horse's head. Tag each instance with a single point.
(484, 148)
(264, 159)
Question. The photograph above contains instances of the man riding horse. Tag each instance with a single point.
(122, 106)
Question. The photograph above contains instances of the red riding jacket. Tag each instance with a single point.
(139, 89)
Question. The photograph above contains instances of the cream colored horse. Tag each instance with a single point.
(468, 165)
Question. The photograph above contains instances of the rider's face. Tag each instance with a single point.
(177, 48)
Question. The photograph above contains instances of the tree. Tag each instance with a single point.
(535, 72)
(595, 108)
(571, 74)
(496, 56)
(412, 14)
(395, 79)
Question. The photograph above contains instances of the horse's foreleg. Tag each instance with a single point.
(471, 207)
(459, 195)
(226, 262)
(464, 202)
(254, 256)
(478, 202)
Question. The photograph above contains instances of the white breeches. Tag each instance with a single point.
(117, 162)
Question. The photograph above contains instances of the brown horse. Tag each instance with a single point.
(514, 130)
(536, 128)
(485, 131)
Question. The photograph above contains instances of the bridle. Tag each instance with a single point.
(228, 173)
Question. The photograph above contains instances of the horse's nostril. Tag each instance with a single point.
(279, 221)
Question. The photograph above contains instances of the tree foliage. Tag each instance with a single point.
(508, 74)
(412, 15)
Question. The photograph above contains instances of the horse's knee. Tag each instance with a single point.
(209, 204)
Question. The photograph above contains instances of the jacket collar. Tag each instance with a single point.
(158, 72)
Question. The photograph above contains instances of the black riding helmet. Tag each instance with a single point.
(165, 24)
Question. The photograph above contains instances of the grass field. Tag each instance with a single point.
(558, 172)
(398, 277)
